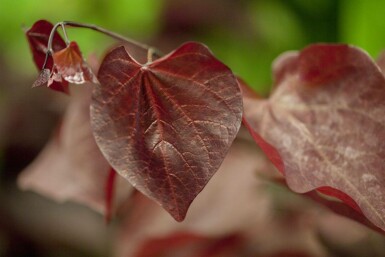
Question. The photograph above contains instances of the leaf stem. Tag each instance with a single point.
(49, 45)
(65, 34)
(51, 36)
(63, 24)
(150, 54)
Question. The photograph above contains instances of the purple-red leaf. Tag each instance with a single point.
(326, 122)
(37, 37)
(70, 66)
(210, 214)
(71, 166)
(236, 201)
(166, 126)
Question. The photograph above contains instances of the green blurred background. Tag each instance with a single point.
(247, 35)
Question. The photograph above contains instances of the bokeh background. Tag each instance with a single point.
(247, 35)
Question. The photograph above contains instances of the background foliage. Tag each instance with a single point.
(246, 35)
(247, 39)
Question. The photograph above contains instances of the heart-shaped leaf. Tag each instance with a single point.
(166, 126)
(326, 123)
(38, 36)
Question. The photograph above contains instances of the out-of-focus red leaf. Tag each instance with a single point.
(284, 64)
(342, 209)
(109, 191)
(337, 207)
(166, 126)
(70, 66)
(191, 245)
(289, 254)
(235, 201)
(71, 166)
(326, 121)
(37, 37)
(270, 151)
(340, 195)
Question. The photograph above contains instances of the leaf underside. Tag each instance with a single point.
(71, 166)
(326, 123)
(166, 126)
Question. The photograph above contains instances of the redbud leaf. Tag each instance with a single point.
(343, 210)
(166, 126)
(38, 36)
(109, 194)
(325, 121)
(71, 166)
(70, 65)
(244, 204)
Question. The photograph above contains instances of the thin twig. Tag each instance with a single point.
(65, 34)
(150, 50)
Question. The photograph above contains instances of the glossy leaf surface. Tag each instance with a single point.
(37, 37)
(326, 122)
(166, 126)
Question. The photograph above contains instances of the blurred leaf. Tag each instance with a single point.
(71, 166)
(191, 245)
(329, 94)
(38, 37)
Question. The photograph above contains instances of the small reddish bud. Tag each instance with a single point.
(70, 66)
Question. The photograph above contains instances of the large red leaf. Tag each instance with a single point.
(71, 166)
(166, 126)
(325, 120)
(37, 37)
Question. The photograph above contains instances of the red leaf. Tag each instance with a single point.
(270, 151)
(285, 63)
(109, 191)
(290, 254)
(70, 66)
(166, 126)
(37, 37)
(342, 210)
(190, 245)
(236, 201)
(71, 166)
(326, 121)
